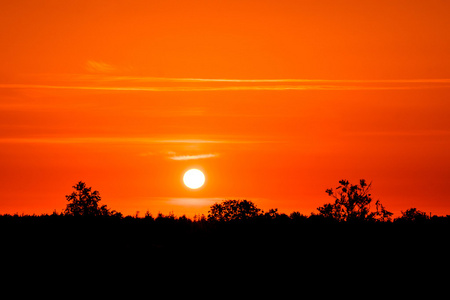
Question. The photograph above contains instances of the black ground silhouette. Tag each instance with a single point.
(235, 232)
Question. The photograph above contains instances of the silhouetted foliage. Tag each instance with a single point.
(229, 210)
(272, 214)
(281, 239)
(274, 234)
(297, 216)
(352, 203)
(148, 216)
(413, 215)
(85, 202)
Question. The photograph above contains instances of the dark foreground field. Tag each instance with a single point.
(276, 255)
(133, 239)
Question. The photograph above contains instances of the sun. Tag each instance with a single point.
(194, 179)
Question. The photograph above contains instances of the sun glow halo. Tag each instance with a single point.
(194, 179)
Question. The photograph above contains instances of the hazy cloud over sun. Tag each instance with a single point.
(191, 157)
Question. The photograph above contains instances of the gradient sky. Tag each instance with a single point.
(275, 101)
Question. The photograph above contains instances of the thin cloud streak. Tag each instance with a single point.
(119, 140)
(162, 79)
(192, 157)
(143, 79)
(226, 88)
(410, 133)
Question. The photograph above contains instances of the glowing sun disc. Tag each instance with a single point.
(194, 179)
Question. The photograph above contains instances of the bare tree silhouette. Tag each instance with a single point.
(352, 203)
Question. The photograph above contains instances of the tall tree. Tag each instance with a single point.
(85, 202)
(352, 203)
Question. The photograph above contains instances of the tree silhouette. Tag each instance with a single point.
(85, 202)
(229, 210)
(352, 203)
(413, 215)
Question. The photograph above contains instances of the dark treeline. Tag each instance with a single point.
(348, 228)
(352, 204)
(165, 238)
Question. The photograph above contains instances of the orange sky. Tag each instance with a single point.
(275, 101)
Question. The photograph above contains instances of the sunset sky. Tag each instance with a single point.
(275, 101)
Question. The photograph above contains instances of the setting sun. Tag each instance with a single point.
(276, 100)
(194, 179)
(144, 132)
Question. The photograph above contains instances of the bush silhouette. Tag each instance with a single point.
(413, 215)
(229, 210)
(352, 203)
(85, 202)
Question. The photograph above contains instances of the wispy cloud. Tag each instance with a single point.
(107, 82)
(120, 140)
(150, 79)
(405, 133)
(99, 67)
(192, 157)
(226, 88)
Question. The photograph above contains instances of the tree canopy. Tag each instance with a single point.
(414, 215)
(85, 202)
(229, 210)
(352, 203)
